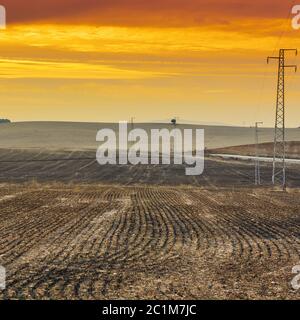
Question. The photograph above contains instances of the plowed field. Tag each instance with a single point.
(63, 241)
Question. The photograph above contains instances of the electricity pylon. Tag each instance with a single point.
(279, 165)
(257, 160)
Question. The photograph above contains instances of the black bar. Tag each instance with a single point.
(148, 309)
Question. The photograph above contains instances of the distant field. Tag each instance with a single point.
(81, 167)
(265, 150)
(82, 136)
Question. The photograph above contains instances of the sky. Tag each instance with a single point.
(110, 60)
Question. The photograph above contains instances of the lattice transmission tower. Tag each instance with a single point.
(279, 164)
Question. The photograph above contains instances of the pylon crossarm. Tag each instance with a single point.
(292, 66)
(296, 50)
(272, 58)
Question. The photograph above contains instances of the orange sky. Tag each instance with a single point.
(110, 60)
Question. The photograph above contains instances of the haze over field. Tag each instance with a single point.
(80, 136)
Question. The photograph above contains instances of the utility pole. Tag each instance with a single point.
(279, 165)
(257, 161)
(132, 122)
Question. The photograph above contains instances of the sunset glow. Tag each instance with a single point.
(99, 64)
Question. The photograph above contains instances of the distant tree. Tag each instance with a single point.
(174, 121)
(4, 121)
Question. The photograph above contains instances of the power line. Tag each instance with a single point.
(284, 30)
(285, 25)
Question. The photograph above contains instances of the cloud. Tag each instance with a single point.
(143, 12)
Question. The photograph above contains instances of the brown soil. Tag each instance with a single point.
(81, 231)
